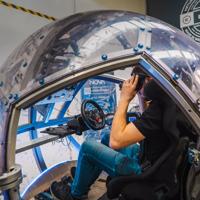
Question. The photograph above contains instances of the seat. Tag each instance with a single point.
(151, 184)
(158, 182)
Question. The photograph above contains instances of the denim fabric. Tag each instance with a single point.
(95, 157)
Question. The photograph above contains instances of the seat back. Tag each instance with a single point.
(182, 167)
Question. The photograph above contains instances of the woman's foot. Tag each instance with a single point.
(61, 190)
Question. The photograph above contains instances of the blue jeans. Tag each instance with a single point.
(95, 157)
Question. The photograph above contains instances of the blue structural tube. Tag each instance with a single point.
(67, 103)
(33, 135)
(42, 124)
(47, 116)
(5, 195)
(107, 79)
(34, 125)
(47, 122)
(74, 142)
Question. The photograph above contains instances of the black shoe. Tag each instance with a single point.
(61, 190)
(73, 171)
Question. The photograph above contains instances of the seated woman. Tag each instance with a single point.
(120, 156)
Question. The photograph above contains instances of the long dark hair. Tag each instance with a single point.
(152, 91)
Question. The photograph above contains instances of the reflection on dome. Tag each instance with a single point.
(73, 42)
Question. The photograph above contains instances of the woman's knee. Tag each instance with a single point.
(88, 145)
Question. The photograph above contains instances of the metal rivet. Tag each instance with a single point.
(136, 49)
(25, 64)
(16, 96)
(140, 45)
(49, 97)
(10, 96)
(104, 57)
(6, 103)
(142, 29)
(41, 37)
(148, 48)
(175, 77)
(41, 81)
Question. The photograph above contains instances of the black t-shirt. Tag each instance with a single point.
(150, 124)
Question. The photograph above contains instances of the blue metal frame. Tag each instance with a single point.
(33, 135)
(34, 125)
(107, 79)
(67, 103)
(46, 122)
(41, 124)
(48, 114)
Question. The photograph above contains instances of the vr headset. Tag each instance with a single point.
(142, 75)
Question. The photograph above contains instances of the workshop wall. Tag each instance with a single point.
(16, 26)
(184, 14)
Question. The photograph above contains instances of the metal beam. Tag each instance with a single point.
(67, 103)
(36, 142)
(33, 135)
(42, 124)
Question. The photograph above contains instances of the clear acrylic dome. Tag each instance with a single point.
(76, 41)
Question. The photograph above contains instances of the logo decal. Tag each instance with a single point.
(190, 19)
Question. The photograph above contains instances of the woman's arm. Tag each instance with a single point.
(123, 134)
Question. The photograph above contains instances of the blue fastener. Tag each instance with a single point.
(104, 57)
(190, 157)
(148, 48)
(25, 64)
(16, 96)
(6, 103)
(10, 96)
(140, 46)
(49, 97)
(175, 77)
(136, 49)
(41, 81)
(142, 29)
(41, 37)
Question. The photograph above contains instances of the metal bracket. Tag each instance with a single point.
(11, 179)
